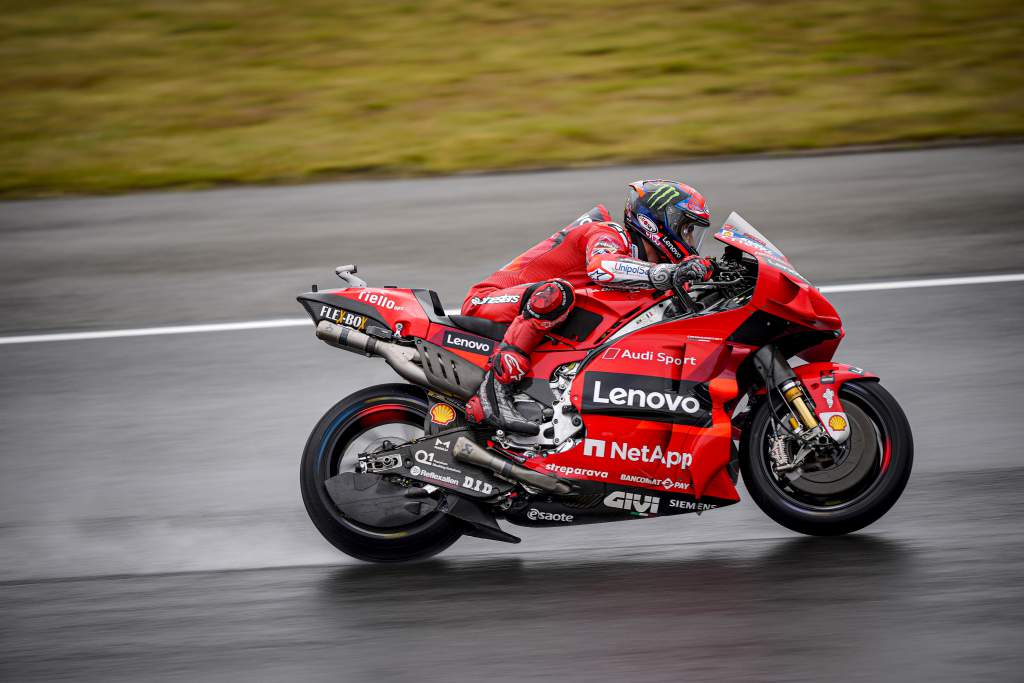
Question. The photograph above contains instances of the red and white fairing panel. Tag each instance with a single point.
(654, 410)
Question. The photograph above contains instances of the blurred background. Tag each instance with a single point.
(150, 519)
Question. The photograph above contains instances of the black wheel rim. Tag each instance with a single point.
(860, 468)
(363, 428)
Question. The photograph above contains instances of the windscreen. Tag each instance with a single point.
(736, 231)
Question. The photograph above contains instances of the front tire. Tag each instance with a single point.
(360, 423)
(853, 493)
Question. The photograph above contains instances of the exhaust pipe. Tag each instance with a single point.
(469, 452)
(400, 358)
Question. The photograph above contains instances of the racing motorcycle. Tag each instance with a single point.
(650, 404)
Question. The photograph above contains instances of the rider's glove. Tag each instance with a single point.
(695, 269)
(691, 269)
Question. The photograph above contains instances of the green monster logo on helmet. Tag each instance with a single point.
(662, 197)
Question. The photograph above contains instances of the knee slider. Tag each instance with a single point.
(550, 301)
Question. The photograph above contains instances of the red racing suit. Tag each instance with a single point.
(589, 250)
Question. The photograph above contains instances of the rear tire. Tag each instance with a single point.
(878, 484)
(386, 411)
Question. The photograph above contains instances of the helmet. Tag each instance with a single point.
(670, 216)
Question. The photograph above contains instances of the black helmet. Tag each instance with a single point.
(672, 217)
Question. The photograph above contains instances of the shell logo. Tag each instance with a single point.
(442, 414)
(837, 423)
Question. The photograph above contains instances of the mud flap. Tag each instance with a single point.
(374, 501)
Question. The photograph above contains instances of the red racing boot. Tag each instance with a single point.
(545, 306)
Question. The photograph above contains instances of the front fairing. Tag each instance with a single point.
(780, 290)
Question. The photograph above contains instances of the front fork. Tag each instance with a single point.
(817, 448)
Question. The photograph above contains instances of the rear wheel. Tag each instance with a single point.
(366, 421)
(866, 480)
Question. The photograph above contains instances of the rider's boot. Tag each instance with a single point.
(493, 405)
(544, 306)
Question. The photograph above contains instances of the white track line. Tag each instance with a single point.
(151, 331)
(915, 284)
(295, 322)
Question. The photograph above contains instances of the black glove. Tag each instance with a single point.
(691, 269)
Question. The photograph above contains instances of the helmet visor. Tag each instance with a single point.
(693, 235)
(690, 230)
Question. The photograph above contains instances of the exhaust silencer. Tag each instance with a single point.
(469, 452)
(400, 358)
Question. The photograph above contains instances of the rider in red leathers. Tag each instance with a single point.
(664, 223)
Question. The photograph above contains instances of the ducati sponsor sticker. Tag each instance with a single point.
(442, 414)
(829, 397)
(465, 342)
(423, 473)
(662, 358)
(635, 503)
(483, 487)
(336, 315)
(542, 516)
(379, 300)
(568, 471)
(643, 397)
(666, 483)
(837, 425)
(690, 505)
(429, 459)
(619, 450)
(626, 268)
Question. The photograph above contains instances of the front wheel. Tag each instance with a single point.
(372, 419)
(866, 480)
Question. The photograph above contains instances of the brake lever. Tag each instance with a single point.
(684, 298)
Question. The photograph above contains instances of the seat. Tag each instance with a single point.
(481, 326)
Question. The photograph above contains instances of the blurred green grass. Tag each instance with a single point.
(112, 95)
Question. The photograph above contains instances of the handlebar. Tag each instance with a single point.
(712, 284)
(684, 298)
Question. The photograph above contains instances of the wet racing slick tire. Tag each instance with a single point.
(867, 479)
(362, 423)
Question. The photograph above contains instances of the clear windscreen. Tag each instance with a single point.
(737, 229)
(737, 232)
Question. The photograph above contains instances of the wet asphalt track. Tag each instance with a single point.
(150, 523)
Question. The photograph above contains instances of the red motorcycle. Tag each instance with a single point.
(651, 404)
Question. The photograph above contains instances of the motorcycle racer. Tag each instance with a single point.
(665, 222)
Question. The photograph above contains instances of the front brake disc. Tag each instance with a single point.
(853, 463)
